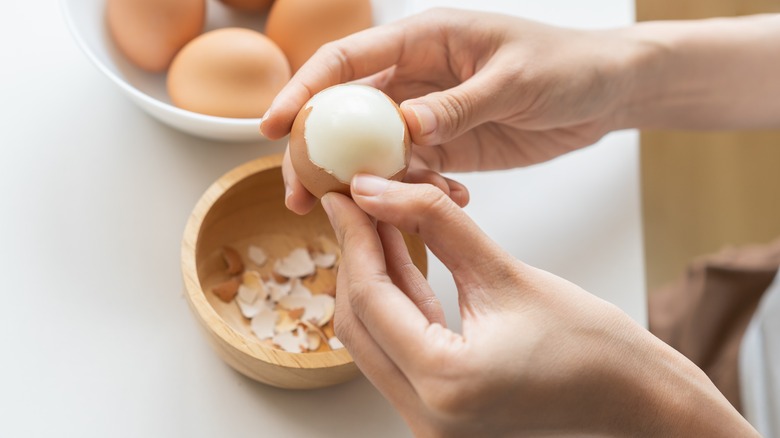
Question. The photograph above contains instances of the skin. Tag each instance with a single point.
(537, 355)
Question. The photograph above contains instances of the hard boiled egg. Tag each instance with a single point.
(230, 72)
(345, 130)
(150, 32)
(300, 27)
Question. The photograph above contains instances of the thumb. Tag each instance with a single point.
(439, 117)
(471, 256)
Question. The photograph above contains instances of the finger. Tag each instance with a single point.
(440, 116)
(455, 190)
(389, 316)
(378, 368)
(296, 197)
(447, 230)
(368, 356)
(358, 55)
(406, 276)
(378, 80)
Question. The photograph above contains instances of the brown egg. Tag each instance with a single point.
(249, 5)
(300, 27)
(345, 130)
(231, 72)
(150, 32)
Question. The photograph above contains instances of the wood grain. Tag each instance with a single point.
(702, 191)
(246, 206)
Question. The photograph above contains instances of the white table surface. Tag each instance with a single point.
(96, 338)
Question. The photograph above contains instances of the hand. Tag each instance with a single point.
(479, 91)
(537, 355)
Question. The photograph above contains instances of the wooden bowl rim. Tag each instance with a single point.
(196, 295)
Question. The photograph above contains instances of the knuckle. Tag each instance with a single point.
(427, 204)
(432, 205)
(456, 108)
(361, 291)
(338, 59)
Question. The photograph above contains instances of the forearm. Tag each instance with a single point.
(707, 74)
(676, 399)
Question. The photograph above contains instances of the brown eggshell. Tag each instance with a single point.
(150, 32)
(319, 181)
(230, 72)
(249, 5)
(300, 27)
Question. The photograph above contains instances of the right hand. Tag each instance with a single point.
(479, 91)
(537, 355)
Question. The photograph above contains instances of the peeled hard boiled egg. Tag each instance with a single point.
(231, 72)
(300, 27)
(150, 32)
(344, 130)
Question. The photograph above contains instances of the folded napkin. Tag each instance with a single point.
(705, 313)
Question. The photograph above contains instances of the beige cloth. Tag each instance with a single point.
(705, 313)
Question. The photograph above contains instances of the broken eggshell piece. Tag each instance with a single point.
(282, 311)
(344, 130)
(257, 255)
(296, 265)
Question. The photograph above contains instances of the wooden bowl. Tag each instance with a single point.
(246, 206)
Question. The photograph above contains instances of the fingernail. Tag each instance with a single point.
(327, 205)
(425, 118)
(262, 120)
(369, 185)
(287, 193)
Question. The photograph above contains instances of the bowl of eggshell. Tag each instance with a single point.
(261, 280)
(211, 67)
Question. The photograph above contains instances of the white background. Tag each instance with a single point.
(96, 338)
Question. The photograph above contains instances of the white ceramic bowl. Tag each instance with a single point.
(86, 20)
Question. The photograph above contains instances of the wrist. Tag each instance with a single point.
(644, 68)
(703, 74)
(673, 397)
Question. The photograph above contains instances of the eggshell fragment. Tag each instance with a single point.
(227, 290)
(319, 309)
(296, 265)
(300, 27)
(313, 340)
(291, 302)
(247, 294)
(150, 32)
(230, 72)
(278, 290)
(334, 343)
(292, 342)
(324, 260)
(284, 322)
(298, 289)
(344, 130)
(328, 306)
(250, 310)
(263, 323)
(232, 260)
(257, 255)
